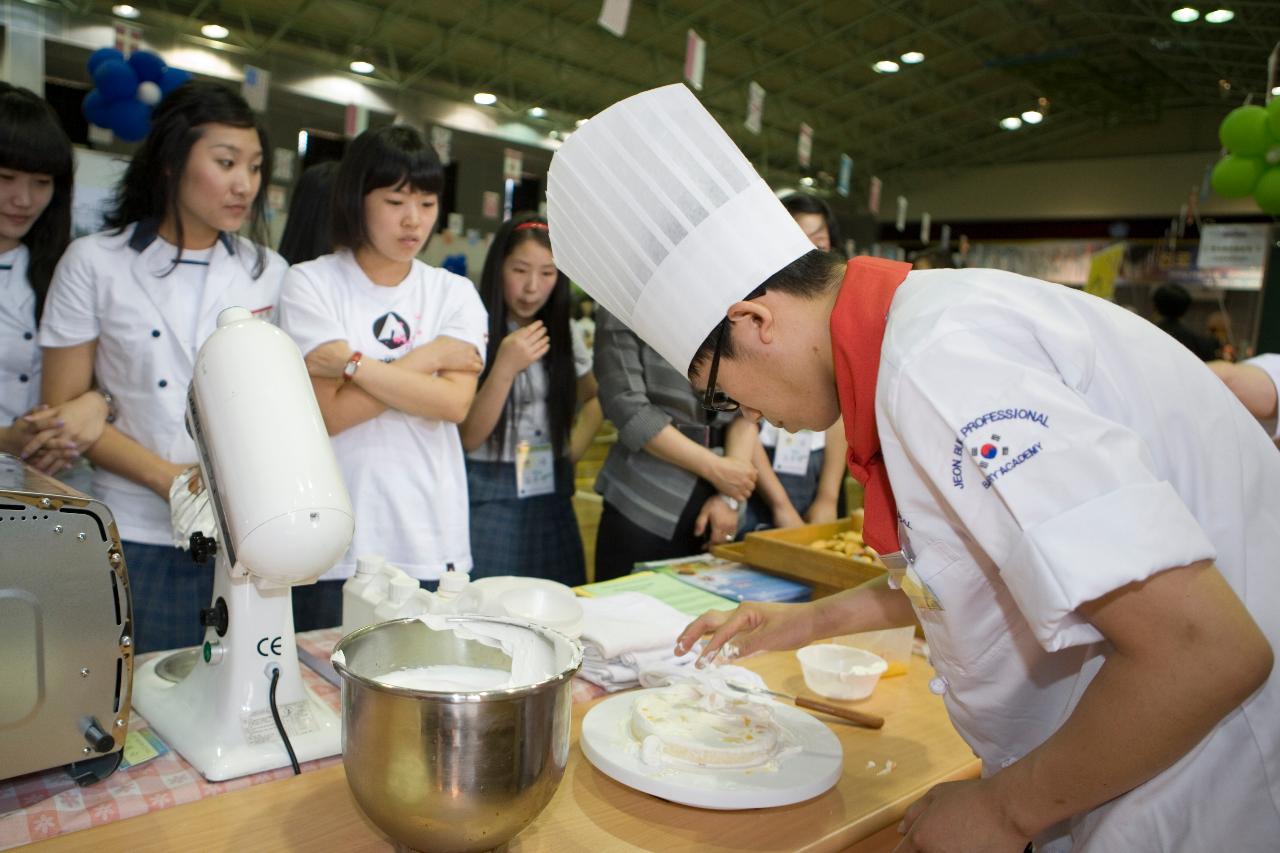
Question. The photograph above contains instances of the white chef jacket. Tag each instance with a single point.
(1045, 448)
(19, 350)
(405, 474)
(1269, 363)
(118, 288)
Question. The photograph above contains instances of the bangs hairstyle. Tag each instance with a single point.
(32, 140)
(807, 277)
(149, 188)
(562, 384)
(393, 156)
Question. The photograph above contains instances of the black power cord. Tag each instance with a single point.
(275, 715)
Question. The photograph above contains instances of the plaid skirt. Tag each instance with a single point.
(531, 537)
(167, 589)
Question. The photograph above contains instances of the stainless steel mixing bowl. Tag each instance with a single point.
(451, 772)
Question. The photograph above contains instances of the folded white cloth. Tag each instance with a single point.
(630, 622)
(190, 513)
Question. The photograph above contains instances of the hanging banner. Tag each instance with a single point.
(946, 237)
(695, 59)
(490, 204)
(282, 165)
(925, 222)
(128, 38)
(804, 146)
(356, 120)
(846, 175)
(512, 164)
(254, 88)
(902, 213)
(442, 142)
(613, 16)
(755, 107)
(1104, 268)
(873, 197)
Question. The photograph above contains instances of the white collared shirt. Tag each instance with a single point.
(19, 349)
(1046, 448)
(122, 290)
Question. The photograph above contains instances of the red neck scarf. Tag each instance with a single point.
(857, 332)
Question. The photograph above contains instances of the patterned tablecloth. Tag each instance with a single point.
(42, 805)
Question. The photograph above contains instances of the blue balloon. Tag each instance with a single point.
(101, 55)
(172, 78)
(116, 81)
(146, 65)
(130, 120)
(96, 109)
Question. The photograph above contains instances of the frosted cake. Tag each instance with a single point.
(696, 725)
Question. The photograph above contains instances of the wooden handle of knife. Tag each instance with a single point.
(871, 721)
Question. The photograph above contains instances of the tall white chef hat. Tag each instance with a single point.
(656, 213)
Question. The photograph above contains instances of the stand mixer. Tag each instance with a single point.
(284, 518)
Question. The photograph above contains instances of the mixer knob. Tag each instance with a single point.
(98, 740)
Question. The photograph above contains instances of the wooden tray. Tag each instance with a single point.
(786, 552)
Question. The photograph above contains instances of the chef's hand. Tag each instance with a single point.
(522, 348)
(717, 521)
(753, 627)
(445, 354)
(959, 817)
(327, 361)
(733, 477)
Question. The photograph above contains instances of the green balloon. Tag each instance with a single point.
(1267, 192)
(1235, 177)
(1273, 117)
(1244, 131)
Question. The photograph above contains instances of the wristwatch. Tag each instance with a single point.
(349, 372)
(733, 503)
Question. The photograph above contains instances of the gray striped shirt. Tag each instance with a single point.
(640, 392)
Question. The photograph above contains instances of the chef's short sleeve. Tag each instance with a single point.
(307, 310)
(71, 313)
(1064, 499)
(465, 317)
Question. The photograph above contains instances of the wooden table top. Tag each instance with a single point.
(592, 812)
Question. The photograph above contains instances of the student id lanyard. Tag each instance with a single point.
(791, 455)
(535, 470)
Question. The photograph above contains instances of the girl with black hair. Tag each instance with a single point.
(307, 232)
(130, 306)
(394, 348)
(35, 226)
(518, 434)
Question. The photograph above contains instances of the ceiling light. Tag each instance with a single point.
(1185, 15)
(1276, 90)
(912, 57)
(580, 122)
(806, 181)
(1220, 16)
(1033, 116)
(537, 112)
(1011, 123)
(214, 31)
(360, 66)
(885, 66)
(485, 99)
(124, 10)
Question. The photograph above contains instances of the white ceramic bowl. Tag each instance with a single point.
(542, 606)
(840, 672)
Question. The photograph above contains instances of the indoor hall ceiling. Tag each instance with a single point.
(1119, 77)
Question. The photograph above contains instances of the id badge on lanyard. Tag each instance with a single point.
(791, 455)
(535, 469)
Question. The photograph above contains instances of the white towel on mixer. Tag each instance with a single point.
(630, 622)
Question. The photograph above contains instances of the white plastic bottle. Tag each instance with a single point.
(400, 595)
(363, 590)
(450, 591)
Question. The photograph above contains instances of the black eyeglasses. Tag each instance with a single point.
(713, 399)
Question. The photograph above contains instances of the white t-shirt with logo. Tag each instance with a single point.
(405, 474)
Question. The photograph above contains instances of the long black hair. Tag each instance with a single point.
(32, 140)
(149, 188)
(307, 232)
(806, 203)
(392, 156)
(562, 379)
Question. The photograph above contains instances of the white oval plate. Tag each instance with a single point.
(609, 745)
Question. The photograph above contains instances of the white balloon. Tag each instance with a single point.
(149, 93)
